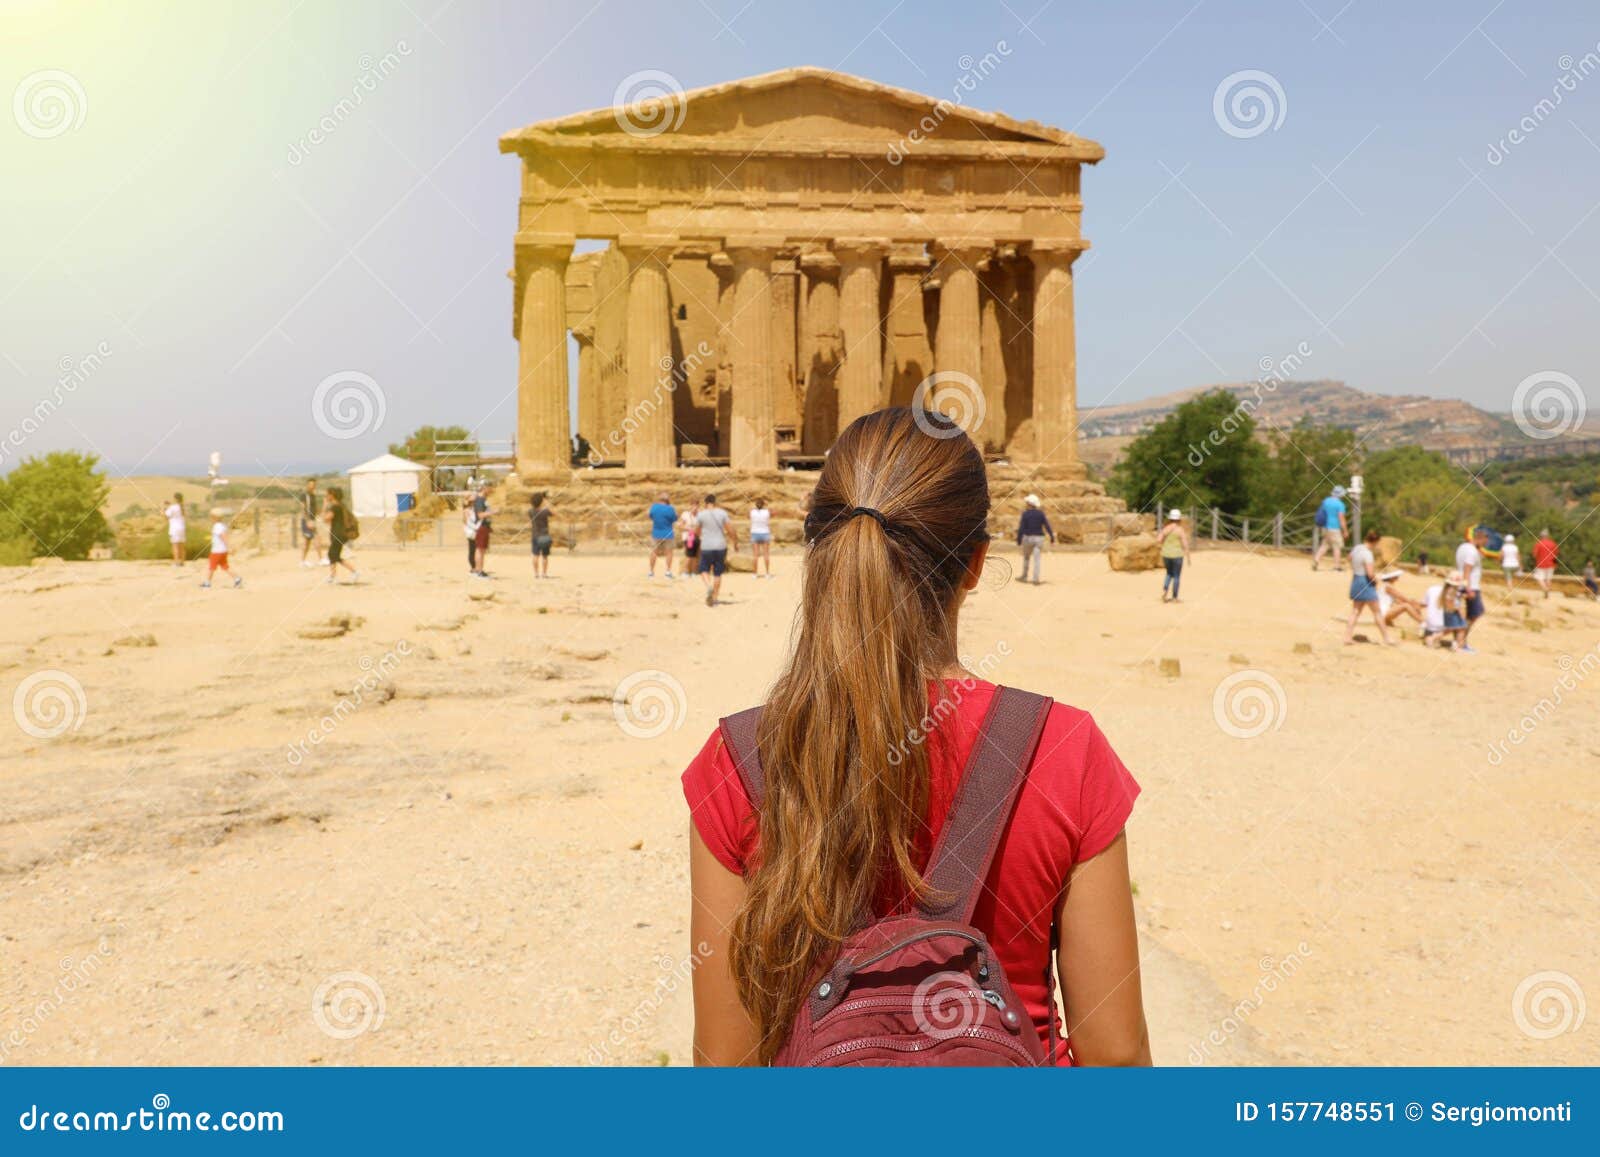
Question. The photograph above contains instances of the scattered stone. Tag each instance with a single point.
(481, 593)
(321, 632)
(463, 648)
(441, 625)
(587, 654)
(1134, 552)
(1302, 648)
(636, 845)
(1227, 925)
(135, 641)
(1170, 668)
(1238, 659)
(590, 695)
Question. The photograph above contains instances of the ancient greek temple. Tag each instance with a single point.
(786, 253)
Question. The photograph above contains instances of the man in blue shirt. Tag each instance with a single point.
(1332, 524)
(1031, 531)
(663, 526)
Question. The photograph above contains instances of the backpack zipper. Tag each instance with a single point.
(982, 1034)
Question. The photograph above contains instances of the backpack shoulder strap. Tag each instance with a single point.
(739, 733)
(982, 807)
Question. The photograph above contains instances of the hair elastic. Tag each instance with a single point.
(876, 515)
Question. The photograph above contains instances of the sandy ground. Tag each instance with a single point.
(430, 840)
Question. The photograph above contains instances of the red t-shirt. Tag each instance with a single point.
(1075, 801)
(1544, 554)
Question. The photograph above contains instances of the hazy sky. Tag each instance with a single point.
(171, 240)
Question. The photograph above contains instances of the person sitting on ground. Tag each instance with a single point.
(1391, 603)
(1510, 560)
(1545, 552)
(1032, 528)
(1174, 542)
(1334, 526)
(663, 531)
(539, 516)
(828, 817)
(1364, 589)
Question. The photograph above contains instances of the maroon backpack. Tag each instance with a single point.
(925, 988)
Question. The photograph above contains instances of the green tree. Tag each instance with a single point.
(419, 444)
(1202, 454)
(52, 504)
(1305, 462)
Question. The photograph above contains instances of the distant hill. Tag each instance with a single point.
(1380, 420)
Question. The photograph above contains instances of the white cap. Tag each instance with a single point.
(1174, 515)
(1510, 538)
(1032, 500)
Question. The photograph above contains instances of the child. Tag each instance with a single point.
(219, 551)
(1510, 560)
(1453, 623)
(177, 530)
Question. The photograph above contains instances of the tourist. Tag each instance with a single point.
(310, 508)
(1174, 542)
(539, 531)
(894, 550)
(1422, 563)
(760, 537)
(219, 551)
(1334, 527)
(342, 530)
(690, 524)
(663, 532)
(1510, 560)
(1469, 561)
(715, 534)
(481, 512)
(1364, 589)
(1392, 605)
(1545, 552)
(1589, 582)
(469, 527)
(1443, 614)
(1032, 528)
(177, 531)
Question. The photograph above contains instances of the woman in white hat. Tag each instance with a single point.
(1031, 531)
(1174, 542)
(1391, 603)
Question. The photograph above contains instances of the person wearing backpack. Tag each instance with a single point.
(343, 529)
(892, 859)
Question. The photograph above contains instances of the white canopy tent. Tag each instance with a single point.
(376, 487)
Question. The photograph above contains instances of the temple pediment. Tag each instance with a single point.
(806, 109)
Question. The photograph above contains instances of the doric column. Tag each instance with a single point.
(751, 442)
(908, 355)
(957, 343)
(651, 444)
(1055, 359)
(589, 424)
(992, 293)
(861, 372)
(544, 423)
(820, 351)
